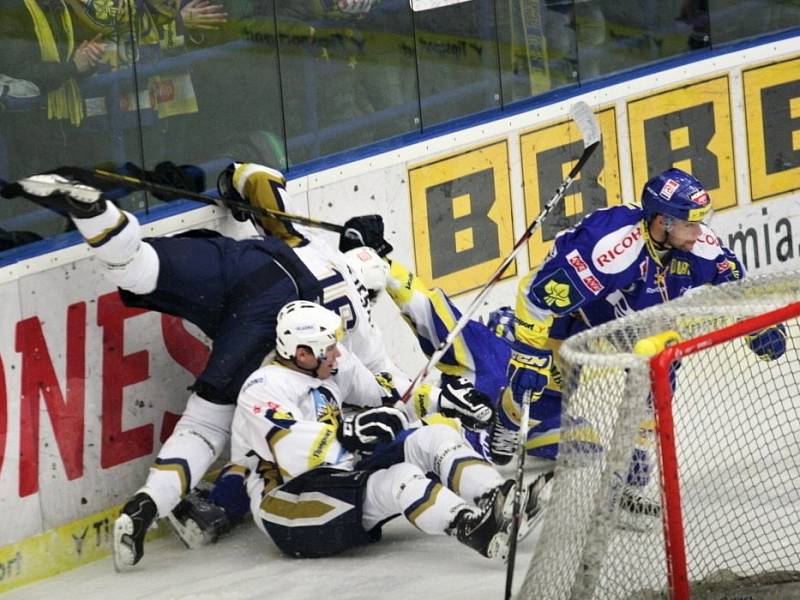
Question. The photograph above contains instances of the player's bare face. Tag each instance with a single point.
(683, 235)
(328, 363)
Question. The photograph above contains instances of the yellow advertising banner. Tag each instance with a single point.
(772, 113)
(688, 128)
(461, 217)
(547, 155)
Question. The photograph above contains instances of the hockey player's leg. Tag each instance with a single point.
(127, 261)
(441, 449)
(404, 488)
(504, 432)
(197, 441)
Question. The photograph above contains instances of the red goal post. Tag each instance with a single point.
(719, 458)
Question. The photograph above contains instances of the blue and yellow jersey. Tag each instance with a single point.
(606, 267)
(476, 353)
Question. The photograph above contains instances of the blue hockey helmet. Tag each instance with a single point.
(501, 323)
(675, 193)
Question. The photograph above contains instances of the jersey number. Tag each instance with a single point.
(335, 298)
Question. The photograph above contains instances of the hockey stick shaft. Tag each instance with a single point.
(158, 188)
(590, 132)
(517, 510)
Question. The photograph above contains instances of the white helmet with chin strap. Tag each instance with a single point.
(303, 323)
(368, 268)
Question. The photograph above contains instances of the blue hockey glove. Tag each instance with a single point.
(769, 343)
(365, 430)
(528, 369)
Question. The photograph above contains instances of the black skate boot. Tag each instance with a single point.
(635, 503)
(129, 530)
(198, 522)
(59, 193)
(486, 528)
(534, 502)
(503, 439)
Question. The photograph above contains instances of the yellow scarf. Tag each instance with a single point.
(66, 101)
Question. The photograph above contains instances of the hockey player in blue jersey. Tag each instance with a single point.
(616, 261)
(475, 363)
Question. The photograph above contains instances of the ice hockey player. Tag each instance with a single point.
(476, 362)
(617, 260)
(232, 290)
(343, 290)
(290, 433)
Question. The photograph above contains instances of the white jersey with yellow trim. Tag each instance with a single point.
(290, 418)
(342, 293)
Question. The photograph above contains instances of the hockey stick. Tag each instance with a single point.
(135, 183)
(517, 510)
(590, 132)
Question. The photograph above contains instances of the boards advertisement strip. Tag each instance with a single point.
(89, 389)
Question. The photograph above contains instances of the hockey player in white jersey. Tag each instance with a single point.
(307, 489)
(343, 288)
(231, 289)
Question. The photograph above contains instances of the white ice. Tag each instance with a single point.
(406, 564)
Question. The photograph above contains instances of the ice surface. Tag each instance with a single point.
(406, 564)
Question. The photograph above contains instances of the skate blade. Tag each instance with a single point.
(498, 547)
(189, 533)
(122, 551)
(529, 524)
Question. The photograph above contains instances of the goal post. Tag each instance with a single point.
(700, 431)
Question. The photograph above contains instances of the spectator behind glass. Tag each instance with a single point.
(321, 49)
(40, 44)
(151, 32)
(236, 80)
(44, 57)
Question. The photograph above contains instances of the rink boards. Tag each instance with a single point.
(89, 388)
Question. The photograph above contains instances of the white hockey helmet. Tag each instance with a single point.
(303, 323)
(368, 268)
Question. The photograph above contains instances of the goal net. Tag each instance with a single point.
(640, 513)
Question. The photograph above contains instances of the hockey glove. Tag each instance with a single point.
(184, 177)
(365, 430)
(460, 400)
(366, 230)
(769, 343)
(528, 369)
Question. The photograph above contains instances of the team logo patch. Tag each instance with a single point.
(668, 189)
(679, 267)
(558, 292)
(700, 197)
(280, 419)
(581, 267)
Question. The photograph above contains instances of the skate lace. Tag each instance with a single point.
(504, 440)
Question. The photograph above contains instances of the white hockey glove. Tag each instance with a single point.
(354, 6)
(459, 399)
(362, 432)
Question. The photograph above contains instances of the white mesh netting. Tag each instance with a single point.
(737, 424)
